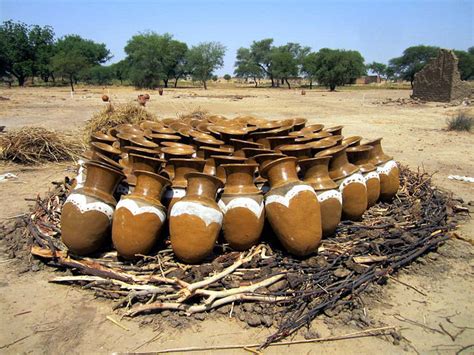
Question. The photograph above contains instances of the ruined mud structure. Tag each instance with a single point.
(440, 80)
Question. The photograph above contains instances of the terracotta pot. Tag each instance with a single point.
(387, 168)
(102, 137)
(206, 153)
(335, 130)
(159, 138)
(242, 206)
(240, 144)
(150, 125)
(124, 139)
(142, 142)
(337, 138)
(360, 155)
(205, 142)
(139, 216)
(105, 149)
(196, 220)
(315, 173)
(312, 128)
(87, 212)
(352, 141)
(350, 181)
(176, 152)
(249, 153)
(299, 151)
(276, 142)
(312, 137)
(222, 159)
(181, 167)
(292, 208)
(320, 145)
(144, 162)
(299, 123)
(265, 125)
(263, 159)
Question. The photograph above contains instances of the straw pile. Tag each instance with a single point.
(115, 114)
(34, 145)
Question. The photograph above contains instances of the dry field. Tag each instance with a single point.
(38, 317)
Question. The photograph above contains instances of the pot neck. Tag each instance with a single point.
(240, 178)
(184, 166)
(149, 185)
(202, 185)
(281, 172)
(102, 178)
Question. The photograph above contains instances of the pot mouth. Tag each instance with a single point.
(150, 125)
(165, 182)
(105, 148)
(322, 144)
(219, 183)
(312, 128)
(216, 150)
(164, 136)
(142, 141)
(147, 157)
(268, 125)
(351, 140)
(333, 128)
(308, 161)
(212, 141)
(103, 137)
(184, 132)
(228, 158)
(254, 144)
(331, 151)
(169, 120)
(240, 165)
(258, 150)
(359, 148)
(299, 120)
(178, 150)
(271, 164)
(373, 141)
(293, 147)
(202, 127)
(130, 148)
(175, 144)
(176, 126)
(197, 134)
(104, 166)
(260, 158)
(109, 161)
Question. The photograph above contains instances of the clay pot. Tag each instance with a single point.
(159, 138)
(87, 212)
(299, 123)
(350, 181)
(181, 167)
(102, 137)
(249, 153)
(206, 153)
(142, 142)
(196, 219)
(222, 159)
(105, 149)
(292, 208)
(312, 137)
(263, 159)
(312, 128)
(335, 130)
(359, 155)
(320, 145)
(267, 125)
(315, 173)
(239, 145)
(278, 141)
(337, 138)
(387, 168)
(139, 216)
(352, 141)
(177, 152)
(204, 142)
(299, 151)
(144, 162)
(150, 125)
(242, 206)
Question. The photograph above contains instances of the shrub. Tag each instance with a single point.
(463, 121)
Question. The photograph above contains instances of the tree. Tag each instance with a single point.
(74, 55)
(16, 51)
(309, 67)
(227, 77)
(261, 55)
(246, 67)
(204, 58)
(42, 42)
(466, 63)
(120, 70)
(412, 61)
(287, 61)
(338, 67)
(99, 75)
(154, 57)
(379, 69)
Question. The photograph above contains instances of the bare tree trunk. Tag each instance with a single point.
(205, 85)
(71, 81)
(166, 82)
(273, 81)
(255, 81)
(332, 87)
(176, 82)
(311, 84)
(288, 83)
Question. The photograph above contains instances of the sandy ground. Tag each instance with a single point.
(60, 319)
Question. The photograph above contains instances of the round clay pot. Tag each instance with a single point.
(181, 167)
(222, 159)
(263, 159)
(350, 181)
(240, 144)
(337, 138)
(87, 213)
(299, 151)
(352, 141)
(359, 155)
(196, 219)
(242, 206)
(102, 137)
(205, 142)
(320, 145)
(299, 123)
(265, 125)
(335, 130)
(142, 142)
(139, 216)
(207, 153)
(315, 173)
(144, 162)
(387, 168)
(176, 152)
(312, 128)
(105, 149)
(292, 208)
(150, 125)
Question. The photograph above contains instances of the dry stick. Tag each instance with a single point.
(407, 285)
(363, 333)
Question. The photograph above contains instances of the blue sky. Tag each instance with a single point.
(380, 30)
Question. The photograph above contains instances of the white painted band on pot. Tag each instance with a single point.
(138, 207)
(326, 195)
(80, 178)
(356, 178)
(387, 167)
(244, 202)
(371, 175)
(285, 200)
(87, 203)
(207, 214)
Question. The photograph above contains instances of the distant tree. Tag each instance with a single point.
(74, 55)
(215, 78)
(338, 67)
(287, 61)
(16, 51)
(309, 67)
(99, 75)
(261, 55)
(246, 67)
(42, 42)
(466, 63)
(120, 70)
(379, 69)
(412, 61)
(203, 59)
(227, 77)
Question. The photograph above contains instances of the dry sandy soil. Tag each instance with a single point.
(38, 317)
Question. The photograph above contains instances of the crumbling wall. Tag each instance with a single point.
(440, 80)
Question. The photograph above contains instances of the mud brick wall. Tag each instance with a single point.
(440, 80)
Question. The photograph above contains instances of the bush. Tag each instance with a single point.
(461, 122)
(227, 77)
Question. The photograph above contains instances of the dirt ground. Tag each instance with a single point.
(38, 317)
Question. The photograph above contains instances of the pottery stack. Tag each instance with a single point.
(193, 182)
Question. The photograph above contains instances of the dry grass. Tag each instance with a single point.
(34, 145)
(462, 121)
(114, 114)
(198, 113)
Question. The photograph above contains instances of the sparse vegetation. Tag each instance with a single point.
(462, 121)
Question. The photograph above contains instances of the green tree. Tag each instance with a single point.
(203, 59)
(466, 63)
(42, 42)
(75, 55)
(412, 61)
(16, 51)
(154, 57)
(99, 75)
(309, 67)
(246, 67)
(379, 69)
(338, 67)
(261, 55)
(120, 70)
(287, 61)
(227, 77)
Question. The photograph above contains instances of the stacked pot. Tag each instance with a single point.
(197, 179)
